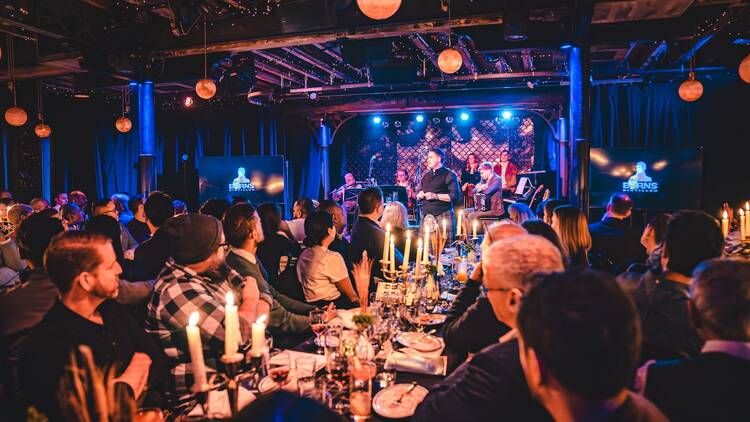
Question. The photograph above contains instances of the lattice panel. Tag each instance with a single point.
(401, 147)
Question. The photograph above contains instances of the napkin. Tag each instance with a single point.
(320, 360)
(432, 354)
(417, 364)
(218, 403)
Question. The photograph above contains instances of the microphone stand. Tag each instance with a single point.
(369, 172)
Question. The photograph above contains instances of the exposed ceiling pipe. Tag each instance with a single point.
(277, 60)
(337, 57)
(465, 47)
(265, 77)
(273, 71)
(655, 55)
(298, 53)
(421, 43)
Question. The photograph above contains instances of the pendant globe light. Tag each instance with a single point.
(379, 9)
(15, 116)
(205, 88)
(42, 130)
(123, 124)
(449, 60)
(744, 69)
(691, 89)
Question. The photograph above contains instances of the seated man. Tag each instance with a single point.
(196, 278)
(296, 227)
(491, 187)
(691, 238)
(713, 385)
(491, 385)
(84, 268)
(243, 231)
(613, 240)
(149, 256)
(579, 338)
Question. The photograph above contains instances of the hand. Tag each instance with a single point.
(463, 187)
(250, 292)
(136, 374)
(420, 195)
(430, 196)
(330, 312)
(362, 271)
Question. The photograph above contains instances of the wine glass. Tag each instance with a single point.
(318, 325)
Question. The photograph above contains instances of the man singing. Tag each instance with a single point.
(491, 186)
(439, 189)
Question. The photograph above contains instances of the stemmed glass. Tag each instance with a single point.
(318, 325)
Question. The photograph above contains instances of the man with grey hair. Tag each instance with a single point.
(713, 385)
(492, 383)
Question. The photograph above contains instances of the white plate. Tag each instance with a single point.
(432, 319)
(420, 342)
(267, 384)
(383, 403)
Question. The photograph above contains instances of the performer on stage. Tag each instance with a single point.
(506, 170)
(349, 183)
(491, 190)
(402, 179)
(439, 190)
(469, 179)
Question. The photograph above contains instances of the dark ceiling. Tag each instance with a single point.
(289, 48)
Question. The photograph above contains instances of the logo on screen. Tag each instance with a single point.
(241, 183)
(640, 181)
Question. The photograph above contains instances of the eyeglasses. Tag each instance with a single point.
(225, 246)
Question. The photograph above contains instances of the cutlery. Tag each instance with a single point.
(408, 390)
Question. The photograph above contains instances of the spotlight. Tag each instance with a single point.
(436, 120)
(530, 84)
(464, 116)
(385, 125)
(498, 120)
(507, 114)
(313, 96)
(420, 118)
(566, 46)
(449, 119)
(81, 93)
(397, 123)
(376, 120)
(188, 102)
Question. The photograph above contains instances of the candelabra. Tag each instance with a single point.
(392, 275)
(232, 365)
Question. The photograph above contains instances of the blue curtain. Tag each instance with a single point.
(116, 161)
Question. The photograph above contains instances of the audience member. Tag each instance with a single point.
(519, 213)
(60, 199)
(72, 216)
(18, 212)
(653, 240)
(276, 252)
(396, 215)
(713, 385)
(579, 341)
(492, 383)
(470, 324)
(571, 227)
(367, 235)
(84, 268)
(10, 258)
(39, 204)
(243, 231)
(540, 228)
(287, 407)
(108, 207)
(6, 195)
(197, 278)
(137, 226)
(179, 207)
(79, 198)
(296, 227)
(123, 211)
(322, 272)
(546, 208)
(215, 207)
(614, 243)
(691, 238)
(150, 256)
(339, 244)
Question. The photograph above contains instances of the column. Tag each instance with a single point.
(146, 131)
(324, 140)
(562, 158)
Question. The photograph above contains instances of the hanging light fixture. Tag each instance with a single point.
(15, 116)
(691, 89)
(42, 130)
(123, 124)
(205, 88)
(744, 69)
(449, 60)
(379, 9)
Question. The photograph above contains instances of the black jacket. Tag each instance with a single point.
(368, 236)
(441, 180)
(150, 257)
(617, 242)
(708, 387)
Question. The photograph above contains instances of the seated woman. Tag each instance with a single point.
(277, 253)
(571, 226)
(520, 213)
(395, 214)
(322, 272)
(469, 179)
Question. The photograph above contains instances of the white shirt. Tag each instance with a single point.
(297, 227)
(318, 270)
(503, 167)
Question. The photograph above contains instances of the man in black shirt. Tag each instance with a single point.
(84, 268)
(439, 190)
(613, 241)
(151, 255)
(137, 226)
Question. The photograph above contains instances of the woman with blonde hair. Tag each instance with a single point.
(395, 214)
(520, 213)
(571, 226)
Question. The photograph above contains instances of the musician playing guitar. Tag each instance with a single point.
(489, 196)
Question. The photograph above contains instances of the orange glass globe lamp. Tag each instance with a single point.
(16, 116)
(450, 61)
(379, 9)
(691, 89)
(123, 124)
(43, 130)
(744, 69)
(205, 88)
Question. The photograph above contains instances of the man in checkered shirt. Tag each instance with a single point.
(196, 278)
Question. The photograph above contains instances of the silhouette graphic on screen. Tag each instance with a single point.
(640, 173)
(241, 176)
(640, 181)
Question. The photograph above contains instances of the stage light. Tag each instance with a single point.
(313, 96)
(420, 118)
(449, 119)
(397, 123)
(188, 102)
(507, 114)
(464, 116)
(385, 125)
(566, 46)
(436, 120)
(376, 120)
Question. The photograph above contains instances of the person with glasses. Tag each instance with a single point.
(109, 208)
(492, 383)
(197, 278)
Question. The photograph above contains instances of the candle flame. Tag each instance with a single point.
(262, 319)
(742, 212)
(388, 227)
(230, 299)
(474, 223)
(193, 320)
(419, 243)
(408, 234)
(725, 215)
(747, 206)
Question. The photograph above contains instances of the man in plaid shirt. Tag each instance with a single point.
(197, 279)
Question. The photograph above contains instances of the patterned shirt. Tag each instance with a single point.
(177, 293)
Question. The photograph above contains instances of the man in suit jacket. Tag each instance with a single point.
(492, 187)
(614, 242)
(367, 235)
(713, 385)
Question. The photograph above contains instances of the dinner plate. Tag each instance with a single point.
(432, 319)
(420, 342)
(385, 405)
(267, 385)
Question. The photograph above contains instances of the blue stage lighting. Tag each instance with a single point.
(507, 114)
(464, 116)
(420, 118)
(376, 120)
(566, 46)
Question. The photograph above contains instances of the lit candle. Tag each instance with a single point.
(458, 226)
(407, 250)
(743, 224)
(231, 327)
(393, 255)
(419, 254)
(385, 242)
(258, 345)
(445, 227)
(725, 224)
(747, 219)
(426, 255)
(195, 347)
(474, 229)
